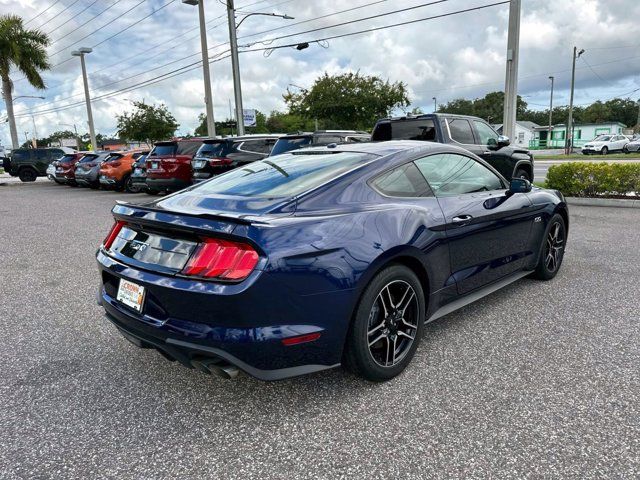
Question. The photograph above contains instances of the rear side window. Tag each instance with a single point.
(403, 181)
(214, 149)
(41, 154)
(262, 146)
(284, 145)
(413, 129)
(453, 174)
(284, 176)
(167, 149)
(67, 159)
(188, 147)
(20, 155)
(461, 132)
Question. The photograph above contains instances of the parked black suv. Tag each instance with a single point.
(217, 156)
(472, 133)
(30, 163)
(316, 139)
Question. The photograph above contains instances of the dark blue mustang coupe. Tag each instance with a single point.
(322, 257)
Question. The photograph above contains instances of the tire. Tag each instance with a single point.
(551, 251)
(129, 187)
(625, 150)
(604, 151)
(372, 333)
(27, 175)
(520, 173)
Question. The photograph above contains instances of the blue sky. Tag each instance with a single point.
(456, 56)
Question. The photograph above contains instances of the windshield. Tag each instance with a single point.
(214, 149)
(284, 176)
(284, 145)
(602, 138)
(140, 160)
(113, 156)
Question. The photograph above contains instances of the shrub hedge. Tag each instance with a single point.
(590, 179)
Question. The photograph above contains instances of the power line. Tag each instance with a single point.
(60, 12)
(340, 36)
(42, 12)
(75, 16)
(422, 5)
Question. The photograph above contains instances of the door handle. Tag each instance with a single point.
(488, 152)
(461, 218)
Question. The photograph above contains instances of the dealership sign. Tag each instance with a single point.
(249, 117)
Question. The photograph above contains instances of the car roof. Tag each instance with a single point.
(387, 148)
(427, 115)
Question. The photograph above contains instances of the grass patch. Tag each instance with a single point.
(540, 184)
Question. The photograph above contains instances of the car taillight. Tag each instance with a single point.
(222, 259)
(113, 234)
(220, 161)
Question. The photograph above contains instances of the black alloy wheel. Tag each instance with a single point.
(553, 247)
(387, 326)
(605, 151)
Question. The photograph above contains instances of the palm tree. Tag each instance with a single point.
(26, 52)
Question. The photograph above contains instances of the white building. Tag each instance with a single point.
(524, 135)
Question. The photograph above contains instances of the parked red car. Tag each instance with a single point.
(66, 168)
(169, 164)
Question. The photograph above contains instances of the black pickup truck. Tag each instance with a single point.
(471, 133)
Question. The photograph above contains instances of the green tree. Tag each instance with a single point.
(147, 123)
(280, 122)
(26, 52)
(348, 100)
(490, 107)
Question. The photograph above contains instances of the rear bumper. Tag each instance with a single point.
(172, 184)
(243, 325)
(185, 351)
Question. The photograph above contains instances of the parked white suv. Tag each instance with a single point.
(604, 144)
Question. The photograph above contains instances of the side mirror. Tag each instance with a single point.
(503, 141)
(519, 185)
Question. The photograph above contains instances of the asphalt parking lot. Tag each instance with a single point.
(537, 380)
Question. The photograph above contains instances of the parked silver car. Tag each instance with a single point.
(88, 169)
(633, 146)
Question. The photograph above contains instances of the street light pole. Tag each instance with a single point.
(92, 133)
(206, 69)
(511, 80)
(568, 144)
(235, 66)
(550, 134)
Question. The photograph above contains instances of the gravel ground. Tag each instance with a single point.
(537, 380)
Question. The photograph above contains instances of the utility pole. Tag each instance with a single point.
(435, 104)
(208, 96)
(511, 80)
(34, 140)
(638, 122)
(81, 53)
(568, 143)
(550, 134)
(235, 66)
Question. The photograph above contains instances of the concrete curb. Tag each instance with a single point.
(603, 202)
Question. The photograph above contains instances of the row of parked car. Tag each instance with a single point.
(605, 144)
(175, 164)
(169, 165)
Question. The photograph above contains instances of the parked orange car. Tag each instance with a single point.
(116, 172)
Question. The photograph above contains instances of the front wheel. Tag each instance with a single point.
(605, 150)
(387, 326)
(552, 250)
(625, 149)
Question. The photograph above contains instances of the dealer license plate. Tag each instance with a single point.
(131, 294)
(155, 165)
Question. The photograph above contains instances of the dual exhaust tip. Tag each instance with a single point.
(217, 367)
